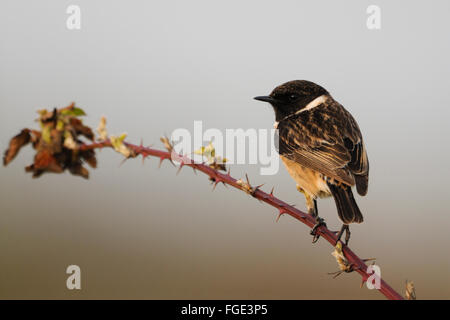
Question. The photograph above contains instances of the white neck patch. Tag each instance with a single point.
(316, 102)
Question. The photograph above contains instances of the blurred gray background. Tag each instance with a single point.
(152, 67)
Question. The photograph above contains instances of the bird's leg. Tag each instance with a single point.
(319, 222)
(345, 228)
(311, 203)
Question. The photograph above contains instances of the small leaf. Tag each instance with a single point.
(340, 258)
(46, 134)
(48, 116)
(167, 144)
(42, 112)
(117, 143)
(101, 129)
(209, 152)
(122, 137)
(410, 290)
(72, 111)
(69, 142)
(60, 125)
(200, 151)
(245, 186)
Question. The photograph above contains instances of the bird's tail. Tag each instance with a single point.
(347, 208)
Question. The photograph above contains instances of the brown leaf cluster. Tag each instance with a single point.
(57, 143)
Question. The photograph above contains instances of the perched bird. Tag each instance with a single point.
(322, 148)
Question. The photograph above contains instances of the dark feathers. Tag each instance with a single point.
(347, 208)
(332, 146)
(321, 145)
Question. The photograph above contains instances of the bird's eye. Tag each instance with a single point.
(293, 97)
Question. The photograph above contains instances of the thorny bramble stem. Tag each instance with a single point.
(357, 263)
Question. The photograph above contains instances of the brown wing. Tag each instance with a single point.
(326, 139)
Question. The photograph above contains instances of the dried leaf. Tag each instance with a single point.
(69, 142)
(213, 161)
(245, 186)
(78, 170)
(200, 151)
(57, 144)
(79, 128)
(56, 141)
(15, 144)
(48, 116)
(119, 146)
(36, 173)
(101, 129)
(60, 124)
(35, 138)
(167, 144)
(410, 290)
(89, 157)
(44, 161)
(46, 133)
(340, 258)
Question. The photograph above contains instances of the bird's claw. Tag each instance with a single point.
(345, 228)
(319, 222)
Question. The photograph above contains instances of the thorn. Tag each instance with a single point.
(335, 274)
(278, 217)
(180, 167)
(229, 172)
(271, 192)
(281, 212)
(253, 190)
(216, 182)
(161, 159)
(362, 282)
(248, 181)
(122, 162)
(144, 155)
(258, 187)
(142, 143)
(195, 170)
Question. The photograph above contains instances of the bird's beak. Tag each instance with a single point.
(265, 99)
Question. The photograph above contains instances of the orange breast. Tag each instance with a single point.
(309, 180)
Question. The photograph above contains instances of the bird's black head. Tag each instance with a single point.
(292, 96)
